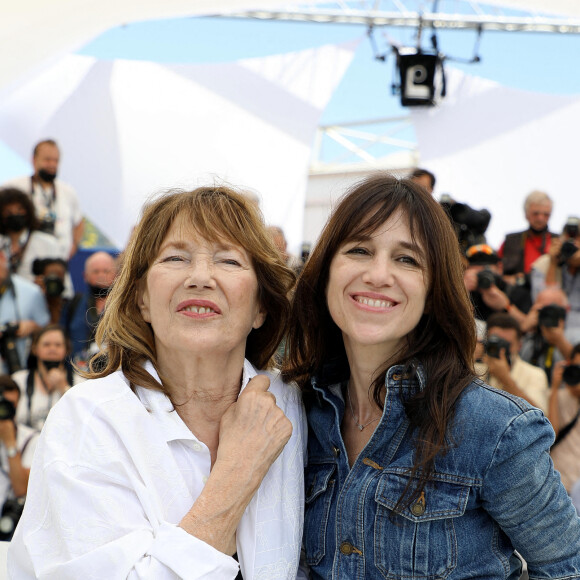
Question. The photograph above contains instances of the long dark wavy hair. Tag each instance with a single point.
(444, 339)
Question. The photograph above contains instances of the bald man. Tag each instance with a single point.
(84, 312)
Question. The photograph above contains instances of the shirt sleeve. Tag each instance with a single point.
(524, 494)
(88, 525)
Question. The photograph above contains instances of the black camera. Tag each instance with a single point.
(571, 375)
(54, 286)
(11, 513)
(567, 250)
(46, 224)
(7, 409)
(486, 279)
(571, 227)
(8, 346)
(493, 346)
(550, 316)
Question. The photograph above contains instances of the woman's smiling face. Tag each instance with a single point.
(200, 296)
(377, 287)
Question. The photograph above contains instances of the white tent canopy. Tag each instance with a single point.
(130, 128)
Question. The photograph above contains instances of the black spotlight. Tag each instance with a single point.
(422, 77)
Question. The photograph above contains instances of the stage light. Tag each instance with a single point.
(421, 76)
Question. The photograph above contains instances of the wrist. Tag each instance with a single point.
(11, 451)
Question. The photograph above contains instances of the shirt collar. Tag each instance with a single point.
(161, 409)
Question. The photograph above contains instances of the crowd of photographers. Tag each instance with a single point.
(526, 298)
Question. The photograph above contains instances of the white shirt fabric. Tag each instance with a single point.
(114, 473)
(66, 209)
(26, 440)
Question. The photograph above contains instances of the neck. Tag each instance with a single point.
(15, 237)
(538, 232)
(42, 183)
(202, 387)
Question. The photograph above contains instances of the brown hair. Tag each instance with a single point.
(505, 321)
(127, 341)
(10, 195)
(443, 341)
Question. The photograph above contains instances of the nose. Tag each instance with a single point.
(200, 274)
(379, 272)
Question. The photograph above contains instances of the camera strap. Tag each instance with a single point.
(48, 199)
(565, 431)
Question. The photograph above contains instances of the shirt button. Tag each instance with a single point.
(336, 451)
(346, 548)
(196, 446)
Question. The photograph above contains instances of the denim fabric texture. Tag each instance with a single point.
(494, 491)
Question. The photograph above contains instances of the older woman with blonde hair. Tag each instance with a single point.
(177, 459)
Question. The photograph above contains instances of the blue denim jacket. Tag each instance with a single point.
(495, 490)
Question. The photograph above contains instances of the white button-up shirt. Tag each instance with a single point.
(115, 472)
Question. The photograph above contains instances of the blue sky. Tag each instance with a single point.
(534, 62)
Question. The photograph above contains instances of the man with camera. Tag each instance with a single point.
(56, 202)
(17, 445)
(488, 291)
(549, 338)
(564, 268)
(23, 310)
(507, 371)
(564, 414)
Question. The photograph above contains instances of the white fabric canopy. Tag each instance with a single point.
(34, 33)
(130, 128)
(490, 146)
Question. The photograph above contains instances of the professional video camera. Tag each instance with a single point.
(8, 346)
(470, 224)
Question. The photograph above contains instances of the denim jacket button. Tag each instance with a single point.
(336, 451)
(346, 548)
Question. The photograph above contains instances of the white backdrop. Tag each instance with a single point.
(130, 128)
(491, 145)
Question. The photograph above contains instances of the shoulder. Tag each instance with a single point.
(65, 189)
(514, 236)
(489, 412)
(24, 285)
(46, 241)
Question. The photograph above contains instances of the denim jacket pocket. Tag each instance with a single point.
(320, 484)
(418, 541)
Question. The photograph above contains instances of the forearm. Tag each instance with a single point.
(553, 409)
(217, 511)
(18, 475)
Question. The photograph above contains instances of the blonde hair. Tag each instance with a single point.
(126, 341)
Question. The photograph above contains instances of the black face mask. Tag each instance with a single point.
(46, 175)
(51, 364)
(15, 223)
(99, 292)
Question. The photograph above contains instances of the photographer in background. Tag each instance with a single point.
(488, 291)
(50, 275)
(17, 445)
(564, 414)
(22, 311)
(565, 268)
(507, 371)
(549, 339)
(20, 234)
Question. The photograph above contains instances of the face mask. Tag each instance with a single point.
(51, 364)
(46, 175)
(15, 223)
(99, 292)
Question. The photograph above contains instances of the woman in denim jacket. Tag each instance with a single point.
(416, 469)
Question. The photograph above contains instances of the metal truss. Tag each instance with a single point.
(376, 143)
(375, 14)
